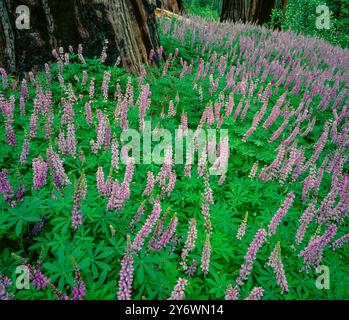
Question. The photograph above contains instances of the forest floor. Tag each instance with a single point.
(260, 230)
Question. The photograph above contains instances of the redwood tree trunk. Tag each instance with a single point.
(247, 11)
(175, 6)
(128, 25)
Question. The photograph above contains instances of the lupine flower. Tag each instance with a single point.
(105, 83)
(48, 126)
(92, 88)
(4, 78)
(276, 263)
(242, 228)
(4, 282)
(40, 168)
(68, 112)
(281, 213)
(232, 293)
(126, 276)
(178, 291)
(189, 243)
(138, 216)
(340, 242)
(147, 227)
(71, 140)
(39, 280)
(115, 153)
(56, 168)
(251, 256)
(10, 135)
(256, 294)
(88, 113)
(100, 180)
(150, 183)
(305, 220)
(144, 103)
(80, 194)
(79, 286)
(278, 132)
(167, 234)
(5, 186)
(312, 254)
(206, 255)
(253, 170)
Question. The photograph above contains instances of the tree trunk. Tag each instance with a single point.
(175, 6)
(128, 25)
(258, 11)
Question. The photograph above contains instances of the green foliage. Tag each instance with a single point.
(300, 17)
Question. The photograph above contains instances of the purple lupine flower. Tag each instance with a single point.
(206, 255)
(4, 282)
(88, 113)
(254, 170)
(171, 182)
(115, 153)
(84, 78)
(304, 221)
(178, 291)
(242, 228)
(48, 126)
(105, 84)
(151, 54)
(167, 234)
(37, 228)
(189, 243)
(171, 109)
(47, 73)
(76, 210)
(4, 78)
(288, 165)
(291, 137)
(278, 132)
(68, 112)
(256, 294)
(92, 88)
(116, 200)
(340, 242)
(5, 186)
(309, 182)
(79, 285)
(275, 112)
(56, 168)
(312, 254)
(184, 122)
(229, 106)
(150, 184)
(126, 276)
(40, 168)
(281, 213)
(107, 137)
(71, 140)
(146, 228)
(276, 263)
(100, 180)
(320, 144)
(124, 111)
(33, 125)
(232, 293)
(10, 135)
(138, 215)
(39, 280)
(250, 256)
